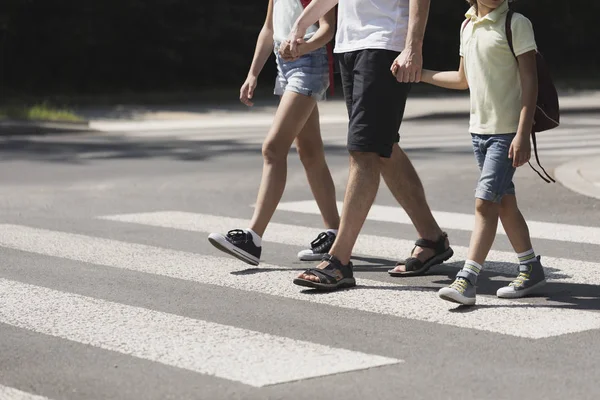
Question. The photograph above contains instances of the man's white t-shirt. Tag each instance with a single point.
(371, 24)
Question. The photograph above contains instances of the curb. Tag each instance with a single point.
(23, 128)
(573, 176)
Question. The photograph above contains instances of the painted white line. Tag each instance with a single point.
(463, 222)
(559, 269)
(8, 393)
(500, 316)
(241, 355)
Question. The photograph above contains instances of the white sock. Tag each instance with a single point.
(472, 268)
(334, 231)
(255, 238)
(526, 257)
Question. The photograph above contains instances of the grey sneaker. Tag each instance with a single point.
(531, 277)
(461, 291)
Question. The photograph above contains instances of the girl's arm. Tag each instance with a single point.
(264, 44)
(447, 79)
(264, 47)
(520, 148)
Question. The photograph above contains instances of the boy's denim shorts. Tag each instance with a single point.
(497, 171)
(308, 75)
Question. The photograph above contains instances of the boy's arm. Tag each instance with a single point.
(407, 66)
(520, 150)
(262, 51)
(311, 14)
(529, 89)
(447, 79)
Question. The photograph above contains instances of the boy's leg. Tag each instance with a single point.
(292, 113)
(531, 273)
(491, 153)
(310, 150)
(514, 224)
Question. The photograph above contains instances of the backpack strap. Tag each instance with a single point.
(538, 160)
(508, 29)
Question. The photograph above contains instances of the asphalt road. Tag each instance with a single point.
(110, 290)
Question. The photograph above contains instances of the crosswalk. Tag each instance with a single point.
(258, 358)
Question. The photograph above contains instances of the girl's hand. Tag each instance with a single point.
(520, 150)
(286, 53)
(247, 90)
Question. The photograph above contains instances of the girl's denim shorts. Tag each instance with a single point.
(308, 75)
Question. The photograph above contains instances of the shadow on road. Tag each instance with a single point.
(82, 150)
(563, 295)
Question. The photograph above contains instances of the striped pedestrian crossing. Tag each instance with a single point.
(258, 358)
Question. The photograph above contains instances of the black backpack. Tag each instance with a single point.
(547, 112)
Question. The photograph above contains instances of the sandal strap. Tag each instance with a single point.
(323, 275)
(412, 264)
(439, 245)
(329, 274)
(335, 263)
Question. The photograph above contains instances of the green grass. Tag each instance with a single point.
(38, 112)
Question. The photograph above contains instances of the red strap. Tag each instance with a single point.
(330, 59)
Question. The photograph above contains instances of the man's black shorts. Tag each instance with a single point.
(375, 100)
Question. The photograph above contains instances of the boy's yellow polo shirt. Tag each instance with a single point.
(491, 69)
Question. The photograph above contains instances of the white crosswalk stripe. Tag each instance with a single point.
(8, 393)
(463, 222)
(223, 351)
(238, 354)
(573, 271)
(406, 303)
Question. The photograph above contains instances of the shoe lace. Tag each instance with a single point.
(236, 234)
(321, 240)
(520, 279)
(460, 284)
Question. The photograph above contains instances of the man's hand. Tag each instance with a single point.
(408, 65)
(295, 37)
(247, 91)
(520, 150)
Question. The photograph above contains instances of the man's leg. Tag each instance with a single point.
(363, 182)
(372, 97)
(404, 183)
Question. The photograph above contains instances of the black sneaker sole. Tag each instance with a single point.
(230, 249)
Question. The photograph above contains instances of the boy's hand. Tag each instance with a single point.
(408, 65)
(520, 150)
(247, 91)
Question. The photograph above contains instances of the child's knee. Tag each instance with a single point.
(486, 207)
